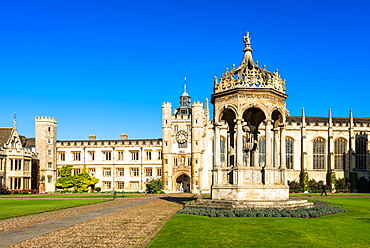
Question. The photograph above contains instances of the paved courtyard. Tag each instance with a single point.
(124, 222)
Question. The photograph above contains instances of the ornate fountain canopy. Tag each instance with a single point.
(248, 74)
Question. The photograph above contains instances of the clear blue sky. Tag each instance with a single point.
(105, 67)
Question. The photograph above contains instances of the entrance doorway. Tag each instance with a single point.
(183, 184)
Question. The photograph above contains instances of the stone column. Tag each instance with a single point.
(282, 147)
(239, 143)
(269, 148)
(217, 148)
(255, 157)
(276, 145)
(282, 155)
(330, 153)
(238, 169)
(268, 143)
(217, 176)
(228, 150)
(352, 158)
(303, 143)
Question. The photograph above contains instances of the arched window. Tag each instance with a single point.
(319, 154)
(261, 151)
(289, 153)
(361, 153)
(340, 147)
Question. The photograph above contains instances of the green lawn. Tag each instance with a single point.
(330, 194)
(349, 229)
(118, 195)
(14, 208)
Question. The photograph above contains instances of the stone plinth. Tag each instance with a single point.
(251, 192)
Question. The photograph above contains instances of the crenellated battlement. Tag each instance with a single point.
(45, 118)
(197, 104)
(166, 104)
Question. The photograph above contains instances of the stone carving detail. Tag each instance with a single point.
(248, 75)
(251, 142)
(252, 97)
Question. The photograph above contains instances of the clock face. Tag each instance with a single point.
(181, 137)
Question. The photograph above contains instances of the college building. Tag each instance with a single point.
(250, 138)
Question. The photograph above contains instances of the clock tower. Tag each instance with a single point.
(184, 130)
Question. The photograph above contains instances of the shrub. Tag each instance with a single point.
(26, 191)
(363, 185)
(303, 180)
(154, 186)
(330, 180)
(98, 189)
(341, 185)
(4, 190)
(353, 179)
(295, 187)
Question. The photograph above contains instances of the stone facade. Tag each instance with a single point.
(248, 151)
(120, 165)
(187, 146)
(46, 149)
(17, 160)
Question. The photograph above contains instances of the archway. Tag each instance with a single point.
(277, 118)
(253, 118)
(183, 183)
(228, 117)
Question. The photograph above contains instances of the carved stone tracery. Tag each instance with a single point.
(249, 75)
(249, 96)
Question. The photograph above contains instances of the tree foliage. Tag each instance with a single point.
(4, 190)
(80, 182)
(154, 186)
(66, 179)
(303, 180)
(84, 180)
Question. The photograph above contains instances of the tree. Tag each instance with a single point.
(154, 186)
(66, 179)
(80, 182)
(83, 180)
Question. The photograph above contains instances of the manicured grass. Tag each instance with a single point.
(330, 194)
(68, 196)
(349, 229)
(128, 195)
(317, 194)
(14, 208)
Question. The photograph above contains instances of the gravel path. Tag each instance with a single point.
(133, 227)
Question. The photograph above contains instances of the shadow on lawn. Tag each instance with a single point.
(180, 200)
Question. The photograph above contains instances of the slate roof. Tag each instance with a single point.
(27, 142)
(4, 135)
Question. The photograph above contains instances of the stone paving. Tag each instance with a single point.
(125, 222)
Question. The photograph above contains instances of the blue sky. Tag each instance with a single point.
(105, 67)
